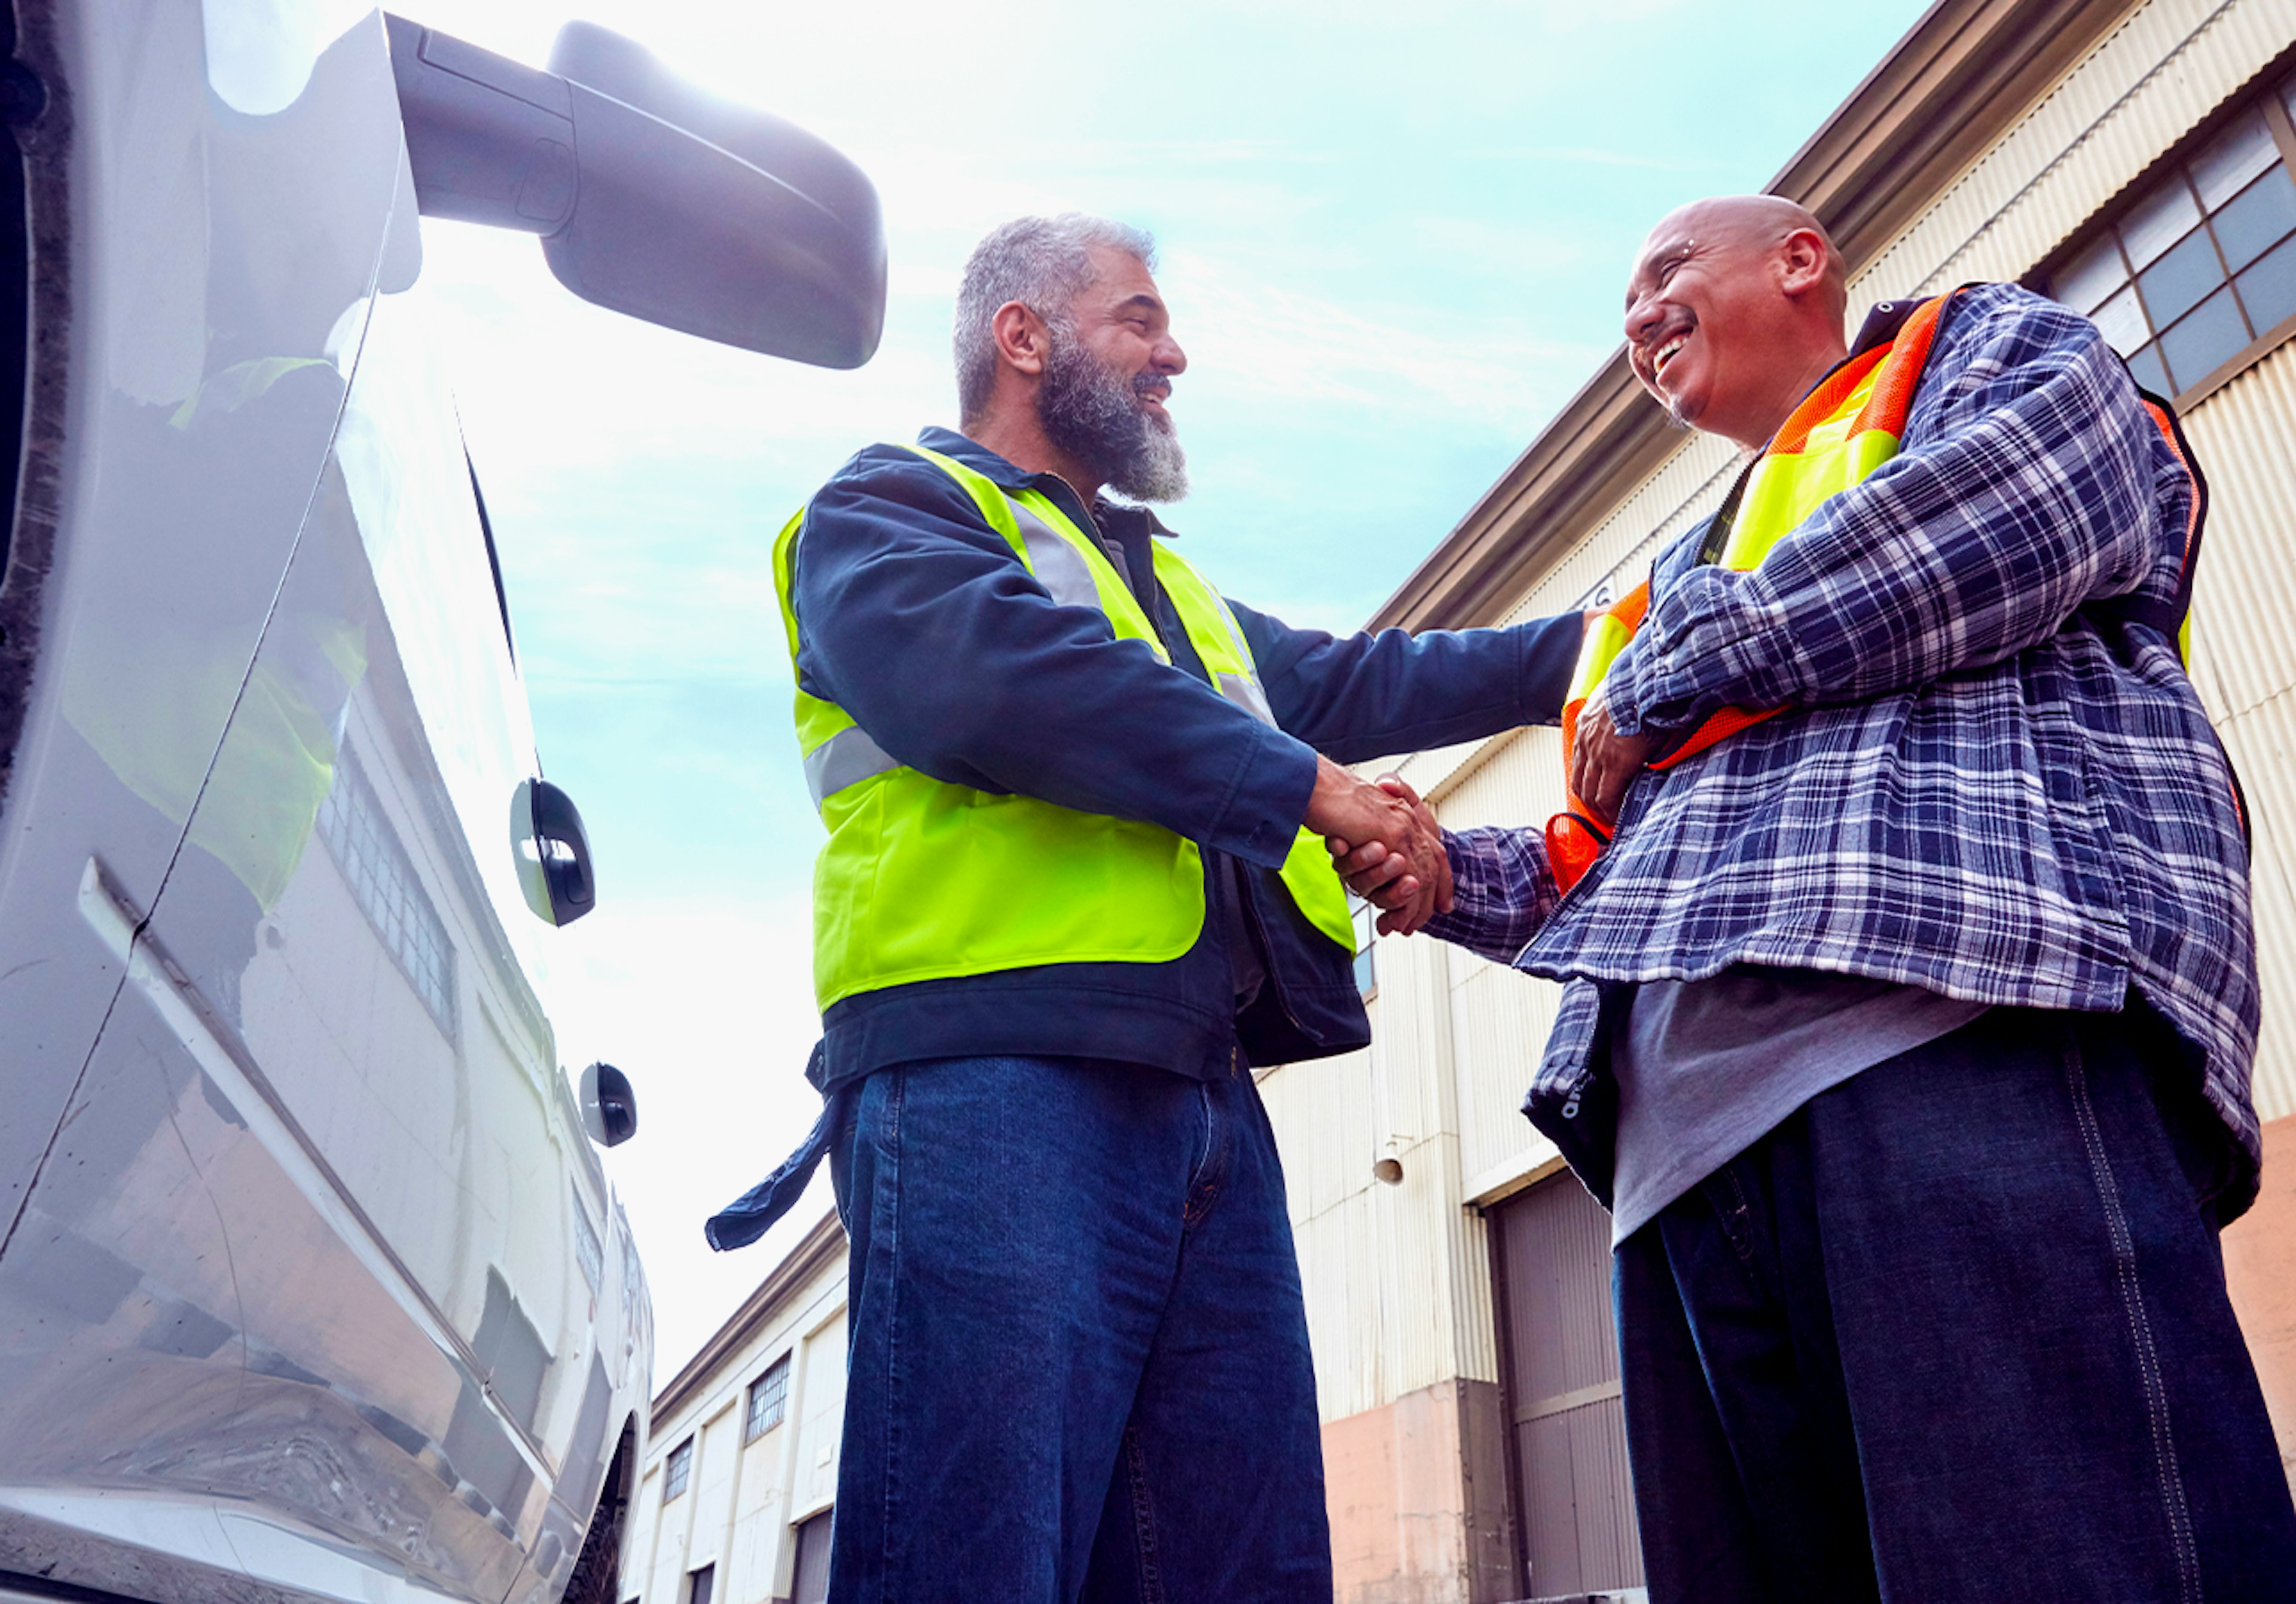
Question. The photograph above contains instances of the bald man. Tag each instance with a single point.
(1908, 1029)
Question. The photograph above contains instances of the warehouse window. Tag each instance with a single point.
(2195, 278)
(678, 1471)
(700, 1585)
(769, 1401)
(1366, 923)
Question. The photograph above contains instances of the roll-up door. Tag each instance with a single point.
(1575, 1503)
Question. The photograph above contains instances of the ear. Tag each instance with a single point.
(1022, 340)
(1801, 261)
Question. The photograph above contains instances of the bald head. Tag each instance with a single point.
(1760, 226)
(1733, 311)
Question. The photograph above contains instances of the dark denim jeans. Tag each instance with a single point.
(1957, 1333)
(1079, 1361)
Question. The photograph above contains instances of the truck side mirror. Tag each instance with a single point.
(652, 197)
(609, 1108)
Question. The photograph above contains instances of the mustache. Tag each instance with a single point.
(1158, 385)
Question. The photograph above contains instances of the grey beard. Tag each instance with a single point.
(1096, 417)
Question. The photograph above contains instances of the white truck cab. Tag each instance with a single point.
(311, 1283)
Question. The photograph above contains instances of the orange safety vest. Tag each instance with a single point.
(1848, 426)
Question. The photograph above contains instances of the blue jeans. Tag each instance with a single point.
(1078, 1364)
(1957, 1333)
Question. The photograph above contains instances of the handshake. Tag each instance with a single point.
(1384, 843)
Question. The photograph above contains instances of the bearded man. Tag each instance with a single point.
(1910, 1008)
(1067, 902)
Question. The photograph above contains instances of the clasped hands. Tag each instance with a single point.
(1386, 847)
(1385, 843)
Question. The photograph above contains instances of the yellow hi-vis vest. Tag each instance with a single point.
(925, 881)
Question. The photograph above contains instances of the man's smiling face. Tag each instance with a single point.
(1108, 377)
(1694, 292)
(1732, 313)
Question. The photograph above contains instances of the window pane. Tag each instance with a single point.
(2197, 346)
(2122, 321)
(2233, 158)
(2180, 281)
(2159, 220)
(2265, 213)
(768, 1396)
(2269, 287)
(2149, 371)
(2096, 274)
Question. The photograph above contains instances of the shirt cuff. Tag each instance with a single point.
(1549, 660)
(1269, 804)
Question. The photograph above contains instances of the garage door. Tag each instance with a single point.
(1551, 1250)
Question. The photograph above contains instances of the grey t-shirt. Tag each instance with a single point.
(1706, 1068)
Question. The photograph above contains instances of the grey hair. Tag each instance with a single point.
(1044, 263)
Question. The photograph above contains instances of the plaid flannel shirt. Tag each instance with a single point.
(1979, 788)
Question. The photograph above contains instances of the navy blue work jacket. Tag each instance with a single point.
(917, 618)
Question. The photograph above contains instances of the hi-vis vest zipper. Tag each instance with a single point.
(924, 880)
(1848, 426)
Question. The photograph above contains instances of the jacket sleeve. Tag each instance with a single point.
(1503, 889)
(918, 619)
(2034, 484)
(1365, 696)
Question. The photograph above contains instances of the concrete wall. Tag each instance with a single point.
(2260, 1270)
(1418, 1499)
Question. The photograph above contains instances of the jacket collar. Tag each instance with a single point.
(1002, 473)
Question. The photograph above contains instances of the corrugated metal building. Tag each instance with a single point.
(2133, 160)
(733, 1505)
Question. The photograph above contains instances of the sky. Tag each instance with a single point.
(1394, 240)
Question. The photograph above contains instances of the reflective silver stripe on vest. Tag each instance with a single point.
(845, 759)
(1244, 692)
(1060, 567)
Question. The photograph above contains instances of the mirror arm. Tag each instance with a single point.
(489, 140)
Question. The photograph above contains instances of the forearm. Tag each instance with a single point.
(1359, 697)
(1504, 891)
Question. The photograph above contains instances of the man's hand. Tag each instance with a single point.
(1408, 896)
(1603, 762)
(1343, 808)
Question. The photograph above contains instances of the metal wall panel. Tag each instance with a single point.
(1383, 1268)
(2262, 742)
(2245, 439)
(2244, 620)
